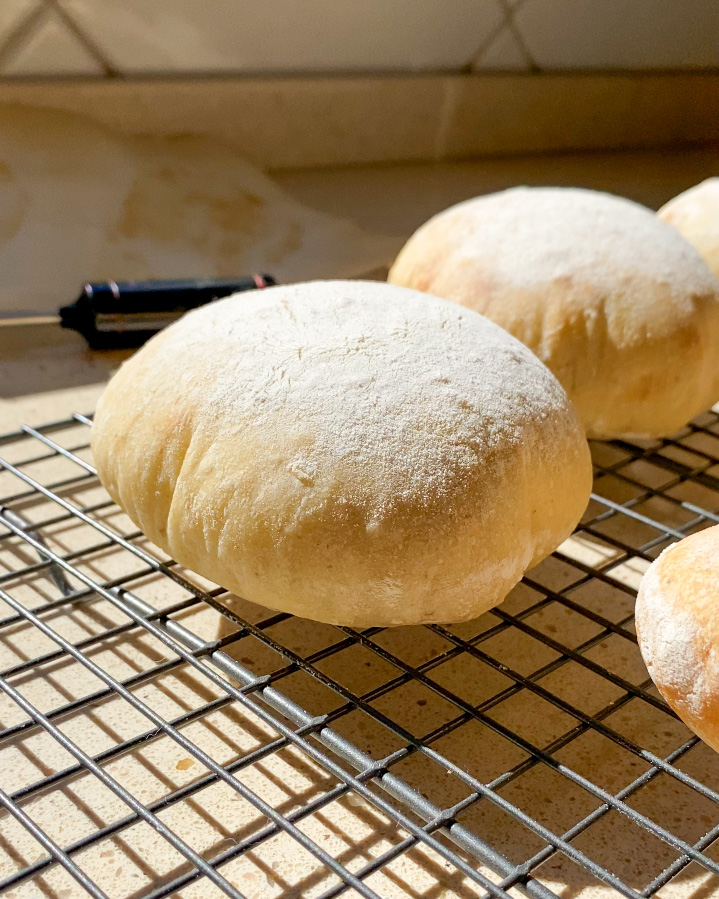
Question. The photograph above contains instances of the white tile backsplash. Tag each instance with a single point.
(621, 34)
(286, 35)
(49, 47)
(318, 36)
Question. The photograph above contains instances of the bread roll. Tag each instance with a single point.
(695, 214)
(677, 622)
(346, 451)
(618, 305)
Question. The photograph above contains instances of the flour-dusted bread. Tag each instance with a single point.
(618, 305)
(346, 451)
(695, 214)
(677, 622)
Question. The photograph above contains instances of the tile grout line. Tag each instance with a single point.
(109, 70)
(512, 25)
(470, 65)
(23, 29)
(451, 87)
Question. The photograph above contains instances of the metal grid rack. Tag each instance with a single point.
(160, 738)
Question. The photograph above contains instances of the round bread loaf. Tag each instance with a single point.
(618, 305)
(346, 451)
(677, 620)
(695, 214)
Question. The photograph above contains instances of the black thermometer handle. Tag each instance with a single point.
(112, 314)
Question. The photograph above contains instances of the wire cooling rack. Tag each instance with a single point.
(159, 737)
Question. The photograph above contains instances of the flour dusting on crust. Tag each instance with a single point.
(676, 617)
(670, 642)
(349, 451)
(543, 234)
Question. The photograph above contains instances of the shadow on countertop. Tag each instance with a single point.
(41, 357)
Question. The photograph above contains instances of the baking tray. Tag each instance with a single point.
(160, 737)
